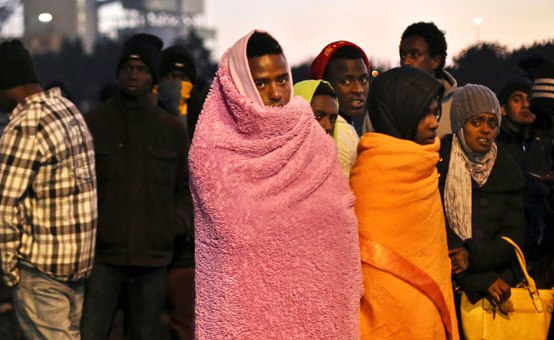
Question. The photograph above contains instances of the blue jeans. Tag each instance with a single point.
(145, 289)
(47, 308)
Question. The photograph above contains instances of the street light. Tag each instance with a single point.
(45, 17)
(477, 22)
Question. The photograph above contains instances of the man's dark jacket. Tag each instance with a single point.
(143, 190)
(533, 154)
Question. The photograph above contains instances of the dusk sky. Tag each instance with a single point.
(304, 27)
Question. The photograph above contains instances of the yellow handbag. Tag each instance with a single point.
(529, 320)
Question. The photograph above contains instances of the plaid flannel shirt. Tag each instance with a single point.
(48, 210)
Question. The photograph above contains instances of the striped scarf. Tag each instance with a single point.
(464, 166)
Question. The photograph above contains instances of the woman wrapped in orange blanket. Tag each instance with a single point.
(405, 263)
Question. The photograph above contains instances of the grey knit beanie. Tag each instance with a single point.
(470, 100)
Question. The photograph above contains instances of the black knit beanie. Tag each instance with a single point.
(514, 84)
(178, 58)
(16, 65)
(146, 48)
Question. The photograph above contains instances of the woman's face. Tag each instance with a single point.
(427, 127)
(480, 132)
(326, 111)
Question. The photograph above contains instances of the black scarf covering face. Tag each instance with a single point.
(398, 100)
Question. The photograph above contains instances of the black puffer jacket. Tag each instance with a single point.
(497, 210)
(144, 199)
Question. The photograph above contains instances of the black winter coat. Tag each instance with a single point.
(497, 210)
(144, 199)
(533, 155)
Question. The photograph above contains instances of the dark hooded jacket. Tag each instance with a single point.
(533, 155)
(399, 99)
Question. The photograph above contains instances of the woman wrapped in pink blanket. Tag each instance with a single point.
(276, 236)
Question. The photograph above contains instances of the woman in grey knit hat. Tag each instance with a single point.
(481, 188)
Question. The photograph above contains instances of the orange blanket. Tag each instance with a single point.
(400, 214)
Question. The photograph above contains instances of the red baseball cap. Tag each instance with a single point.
(317, 69)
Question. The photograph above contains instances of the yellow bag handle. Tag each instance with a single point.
(530, 283)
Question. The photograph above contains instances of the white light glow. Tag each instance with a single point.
(45, 17)
(477, 21)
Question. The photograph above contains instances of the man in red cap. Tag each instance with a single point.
(346, 67)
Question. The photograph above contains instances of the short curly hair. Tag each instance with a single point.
(432, 35)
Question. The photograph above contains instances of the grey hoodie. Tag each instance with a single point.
(450, 84)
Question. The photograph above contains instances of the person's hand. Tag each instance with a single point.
(499, 292)
(459, 258)
(506, 307)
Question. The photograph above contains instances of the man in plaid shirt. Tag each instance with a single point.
(47, 200)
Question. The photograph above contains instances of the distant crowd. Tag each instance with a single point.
(404, 199)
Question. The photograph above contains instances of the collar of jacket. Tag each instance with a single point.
(133, 108)
(516, 132)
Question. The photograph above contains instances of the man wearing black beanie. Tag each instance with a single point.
(532, 152)
(47, 202)
(143, 196)
(178, 75)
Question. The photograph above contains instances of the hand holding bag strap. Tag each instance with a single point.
(530, 283)
(385, 259)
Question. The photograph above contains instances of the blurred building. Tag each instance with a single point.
(44, 24)
(47, 23)
(168, 19)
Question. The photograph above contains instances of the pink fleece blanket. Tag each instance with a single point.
(276, 236)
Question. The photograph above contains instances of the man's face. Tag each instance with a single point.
(270, 74)
(414, 52)
(326, 112)
(350, 79)
(517, 110)
(135, 78)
